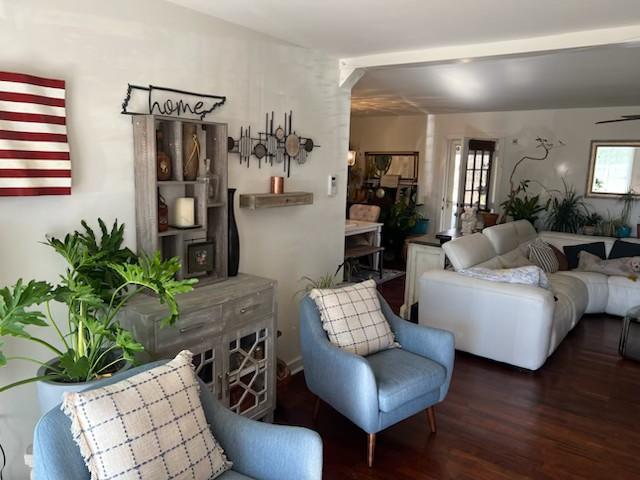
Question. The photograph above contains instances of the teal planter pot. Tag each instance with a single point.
(623, 232)
(420, 228)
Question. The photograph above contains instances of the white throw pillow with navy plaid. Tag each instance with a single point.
(148, 426)
(353, 318)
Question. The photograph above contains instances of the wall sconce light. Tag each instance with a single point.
(351, 158)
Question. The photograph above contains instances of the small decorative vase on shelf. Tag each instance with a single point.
(163, 161)
(163, 215)
(190, 152)
(234, 241)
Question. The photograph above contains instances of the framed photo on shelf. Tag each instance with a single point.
(200, 257)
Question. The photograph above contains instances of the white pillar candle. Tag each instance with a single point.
(184, 212)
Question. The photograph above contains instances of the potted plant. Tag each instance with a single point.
(398, 220)
(100, 278)
(567, 211)
(591, 223)
(523, 207)
(628, 199)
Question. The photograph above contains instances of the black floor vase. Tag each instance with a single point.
(234, 241)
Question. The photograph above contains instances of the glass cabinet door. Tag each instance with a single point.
(208, 366)
(248, 353)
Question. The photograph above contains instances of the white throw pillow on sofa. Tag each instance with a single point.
(353, 318)
(530, 275)
(148, 426)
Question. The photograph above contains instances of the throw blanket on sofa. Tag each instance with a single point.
(529, 275)
(625, 267)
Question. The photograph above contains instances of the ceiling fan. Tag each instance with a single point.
(625, 118)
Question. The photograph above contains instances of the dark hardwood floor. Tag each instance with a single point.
(577, 417)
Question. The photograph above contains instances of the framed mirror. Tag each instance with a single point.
(614, 168)
(402, 164)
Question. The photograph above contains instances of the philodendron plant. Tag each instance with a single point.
(101, 277)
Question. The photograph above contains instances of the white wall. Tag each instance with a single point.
(370, 133)
(98, 47)
(575, 127)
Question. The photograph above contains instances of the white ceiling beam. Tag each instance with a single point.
(349, 76)
(523, 46)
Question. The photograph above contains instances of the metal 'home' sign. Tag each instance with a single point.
(169, 102)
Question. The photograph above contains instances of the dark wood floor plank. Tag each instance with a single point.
(576, 418)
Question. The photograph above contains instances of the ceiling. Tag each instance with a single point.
(595, 77)
(347, 28)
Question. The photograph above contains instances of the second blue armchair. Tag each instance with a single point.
(384, 388)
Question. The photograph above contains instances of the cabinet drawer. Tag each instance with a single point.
(190, 329)
(249, 307)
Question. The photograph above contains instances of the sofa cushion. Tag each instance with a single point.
(514, 259)
(563, 263)
(575, 292)
(469, 251)
(623, 249)
(542, 254)
(403, 376)
(353, 318)
(624, 294)
(509, 236)
(571, 251)
(597, 289)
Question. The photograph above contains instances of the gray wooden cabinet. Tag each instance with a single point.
(230, 327)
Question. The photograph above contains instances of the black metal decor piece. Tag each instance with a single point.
(279, 145)
(202, 105)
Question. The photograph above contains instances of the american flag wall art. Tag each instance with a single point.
(34, 152)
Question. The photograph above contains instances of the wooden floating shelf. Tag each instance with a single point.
(270, 200)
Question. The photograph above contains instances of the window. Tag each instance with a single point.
(614, 169)
(477, 174)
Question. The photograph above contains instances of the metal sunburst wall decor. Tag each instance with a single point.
(274, 145)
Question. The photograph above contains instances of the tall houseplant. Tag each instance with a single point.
(100, 278)
(398, 220)
(567, 210)
(628, 199)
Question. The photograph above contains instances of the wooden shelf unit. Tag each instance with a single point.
(209, 212)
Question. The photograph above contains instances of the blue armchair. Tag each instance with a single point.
(258, 450)
(384, 388)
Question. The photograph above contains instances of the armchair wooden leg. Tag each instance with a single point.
(371, 449)
(316, 409)
(431, 415)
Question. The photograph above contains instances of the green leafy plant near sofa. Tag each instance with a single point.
(523, 207)
(100, 278)
(567, 210)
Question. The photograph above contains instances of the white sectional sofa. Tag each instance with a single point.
(517, 324)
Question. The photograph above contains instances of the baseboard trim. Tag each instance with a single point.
(295, 365)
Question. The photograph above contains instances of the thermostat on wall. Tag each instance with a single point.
(332, 186)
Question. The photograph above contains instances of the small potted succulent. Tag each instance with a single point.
(100, 278)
